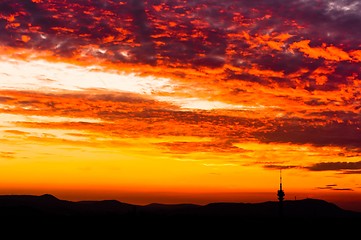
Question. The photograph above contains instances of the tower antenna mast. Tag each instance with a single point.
(281, 195)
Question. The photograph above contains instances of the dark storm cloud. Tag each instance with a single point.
(342, 189)
(335, 166)
(143, 30)
(337, 20)
(319, 134)
(188, 147)
(351, 172)
(196, 32)
(333, 187)
(277, 167)
(342, 115)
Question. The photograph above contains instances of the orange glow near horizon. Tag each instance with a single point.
(174, 102)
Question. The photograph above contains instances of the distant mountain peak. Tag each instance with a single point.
(49, 197)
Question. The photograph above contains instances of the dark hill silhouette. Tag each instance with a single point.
(311, 209)
(215, 219)
(48, 205)
(27, 215)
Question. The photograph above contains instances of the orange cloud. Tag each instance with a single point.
(7, 155)
(327, 52)
(279, 93)
(321, 73)
(16, 132)
(356, 55)
(217, 146)
(25, 38)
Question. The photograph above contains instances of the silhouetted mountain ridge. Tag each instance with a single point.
(48, 205)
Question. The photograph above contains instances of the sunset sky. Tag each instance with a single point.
(177, 101)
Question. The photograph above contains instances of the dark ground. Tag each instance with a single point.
(52, 218)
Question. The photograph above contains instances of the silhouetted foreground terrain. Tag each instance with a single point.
(50, 206)
(30, 209)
